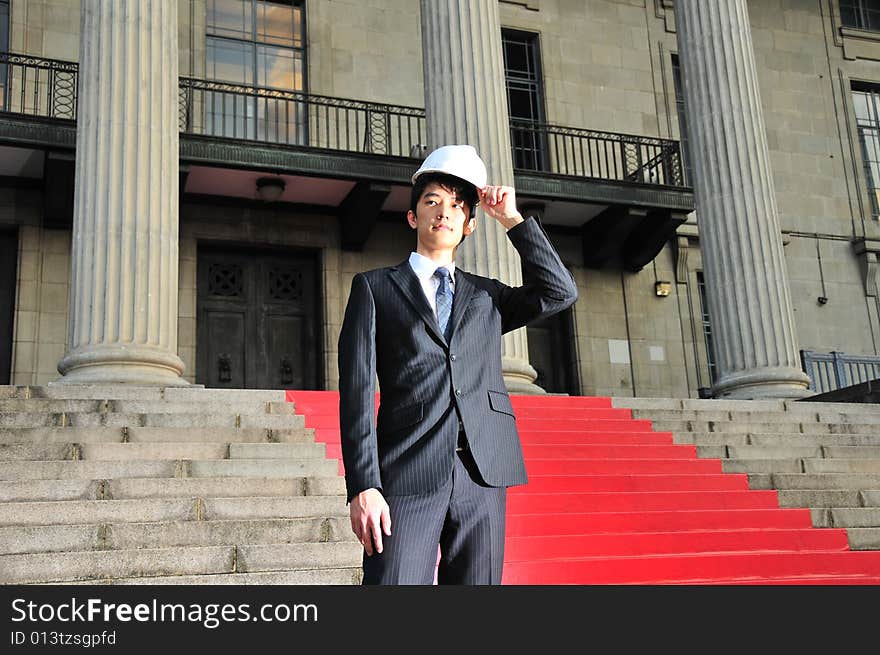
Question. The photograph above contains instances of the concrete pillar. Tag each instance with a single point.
(122, 325)
(466, 103)
(746, 281)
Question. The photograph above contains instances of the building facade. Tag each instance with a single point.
(191, 190)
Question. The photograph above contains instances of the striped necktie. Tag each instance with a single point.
(444, 300)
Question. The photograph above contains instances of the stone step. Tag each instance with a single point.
(275, 557)
(268, 507)
(9, 391)
(198, 420)
(152, 451)
(769, 439)
(719, 416)
(306, 529)
(191, 393)
(806, 415)
(847, 517)
(207, 487)
(10, 452)
(90, 565)
(63, 435)
(196, 451)
(101, 511)
(805, 465)
(282, 408)
(100, 536)
(338, 576)
(864, 538)
(783, 452)
(140, 434)
(181, 468)
(831, 481)
(51, 406)
(277, 451)
(871, 495)
(92, 392)
(194, 394)
(21, 539)
(759, 452)
(840, 465)
(159, 420)
(36, 490)
(751, 466)
(699, 404)
(221, 435)
(270, 468)
(72, 470)
(821, 498)
(189, 407)
(776, 427)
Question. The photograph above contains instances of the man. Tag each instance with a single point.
(445, 445)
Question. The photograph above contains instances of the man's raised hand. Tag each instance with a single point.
(499, 202)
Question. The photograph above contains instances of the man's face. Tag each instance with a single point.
(441, 218)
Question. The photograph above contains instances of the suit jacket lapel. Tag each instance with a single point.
(403, 276)
(464, 289)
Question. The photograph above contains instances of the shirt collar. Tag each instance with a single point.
(424, 268)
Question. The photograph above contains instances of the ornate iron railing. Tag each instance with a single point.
(48, 88)
(37, 86)
(835, 370)
(297, 118)
(602, 155)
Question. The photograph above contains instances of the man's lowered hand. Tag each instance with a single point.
(370, 517)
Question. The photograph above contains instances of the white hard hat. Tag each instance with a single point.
(458, 160)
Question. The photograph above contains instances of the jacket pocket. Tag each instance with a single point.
(500, 402)
(402, 417)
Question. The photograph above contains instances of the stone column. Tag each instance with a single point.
(746, 281)
(466, 103)
(122, 325)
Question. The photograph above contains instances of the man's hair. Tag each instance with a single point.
(465, 191)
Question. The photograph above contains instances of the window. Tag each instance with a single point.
(4, 47)
(258, 44)
(861, 14)
(707, 328)
(866, 101)
(683, 131)
(525, 99)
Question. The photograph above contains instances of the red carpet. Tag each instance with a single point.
(610, 501)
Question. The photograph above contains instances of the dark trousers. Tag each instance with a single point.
(465, 516)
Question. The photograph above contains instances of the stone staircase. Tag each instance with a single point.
(823, 456)
(167, 486)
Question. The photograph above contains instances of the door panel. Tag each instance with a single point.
(272, 342)
(225, 357)
(552, 353)
(8, 269)
(286, 352)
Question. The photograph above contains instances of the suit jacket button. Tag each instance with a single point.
(452, 358)
(458, 392)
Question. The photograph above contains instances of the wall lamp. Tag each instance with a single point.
(270, 189)
(662, 288)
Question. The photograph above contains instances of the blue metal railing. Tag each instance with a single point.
(836, 370)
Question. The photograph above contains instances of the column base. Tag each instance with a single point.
(122, 364)
(763, 384)
(519, 377)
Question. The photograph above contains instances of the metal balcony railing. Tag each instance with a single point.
(297, 118)
(36, 86)
(47, 88)
(602, 155)
(836, 370)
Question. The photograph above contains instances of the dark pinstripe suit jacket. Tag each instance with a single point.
(389, 330)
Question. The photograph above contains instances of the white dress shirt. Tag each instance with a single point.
(424, 269)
